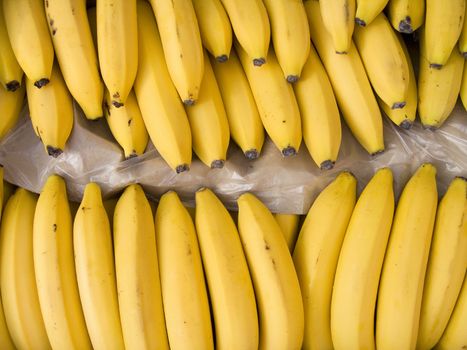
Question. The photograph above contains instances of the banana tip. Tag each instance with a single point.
(252, 154)
(292, 78)
(133, 154)
(117, 104)
(374, 154)
(189, 102)
(182, 168)
(13, 85)
(398, 105)
(436, 65)
(360, 22)
(406, 124)
(341, 52)
(222, 58)
(289, 151)
(217, 164)
(327, 165)
(405, 26)
(258, 62)
(41, 82)
(54, 151)
(464, 54)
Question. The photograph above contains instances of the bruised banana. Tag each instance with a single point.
(368, 10)
(338, 20)
(11, 74)
(11, 103)
(406, 16)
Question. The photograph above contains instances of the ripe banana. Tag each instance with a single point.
(244, 121)
(446, 266)
(250, 24)
(289, 227)
(186, 305)
(76, 54)
(443, 25)
(11, 103)
(208, 121)
(137, 271)
(321, 123)
(338, 20)
(55, 268)
(463, 37)
(11, 73)
(463, 90)
(406, 16)
(8, 190)
(229, 283)
(127, 125)
(51, 110)
(276, 102)
(359, 265)
(181, 41)
(292, 50)
(404, 267)
(368, 10)
(214, 27)
(350, 83)
(161, 108)
(27, 29)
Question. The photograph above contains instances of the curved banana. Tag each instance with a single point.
(402, 278)
(51, 110)
(11, 103)
(11, 73)
(316, 253)
(443, 26)
(208, 121)
(359, 266)
(30, 38)
(250, 24)
(463, 37)
(244, 121)
(55, 269)
(229, 283)
(289, 227)
(214, 27)
(158, 100)
(463, 90)
(447, 265)
(338, 20)
(350, 84)
(321, 121)
(406, 16)
(186, 305)
(181, 41)
(137, 271)
(76, 54)
(368, 10)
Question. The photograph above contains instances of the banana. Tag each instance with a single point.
(321, 123)
(109, 206)
(359, 265)
(76, 54)
(2, 201)
(11, 103)
(291, 49)
(463, 37)
(51, 110)
(127, 125)
(19, 292)
(368, 10)
(404, 267)
(289, 226)
(406, 16)
(446, 265)
(11, 73)
(338, 20)
(443, 26)
(181, 41)
(244, 121)
(352, 89)
(8, 190)
(208, 121)
(250, 24)
(463, 90)
(95, 271)
(55, 269)
(214, 27)
(161, 108)
(229, 283)
(384, 60)
(137, 271)
(186, 305)
(316, 254)
(276, 102)
(30, 39)
(117, 38)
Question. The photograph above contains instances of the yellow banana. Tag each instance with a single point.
(208, 121)
(338, 20)
(250, 24)
(8, 190)
(463, 90)
(186, 305)
(368, 10)
(463, 37)
(316, 253)
(276, 102)
(406, 16)
(11, 73)
(11, 103)
(321, 123)
(359, 265)
(214, 27)
(51, 110)
(289, 227)
(137, 271)
(109, 206)
(30, 39)
(446, 265)
(127, 125)
(404, 267)
(350, 83)
(161, 108)
(181, 41)
(287, 17)
(244, 121)
(55, 269)
(229, 283)
(95, 271)
(92, 19)
(76, 54)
